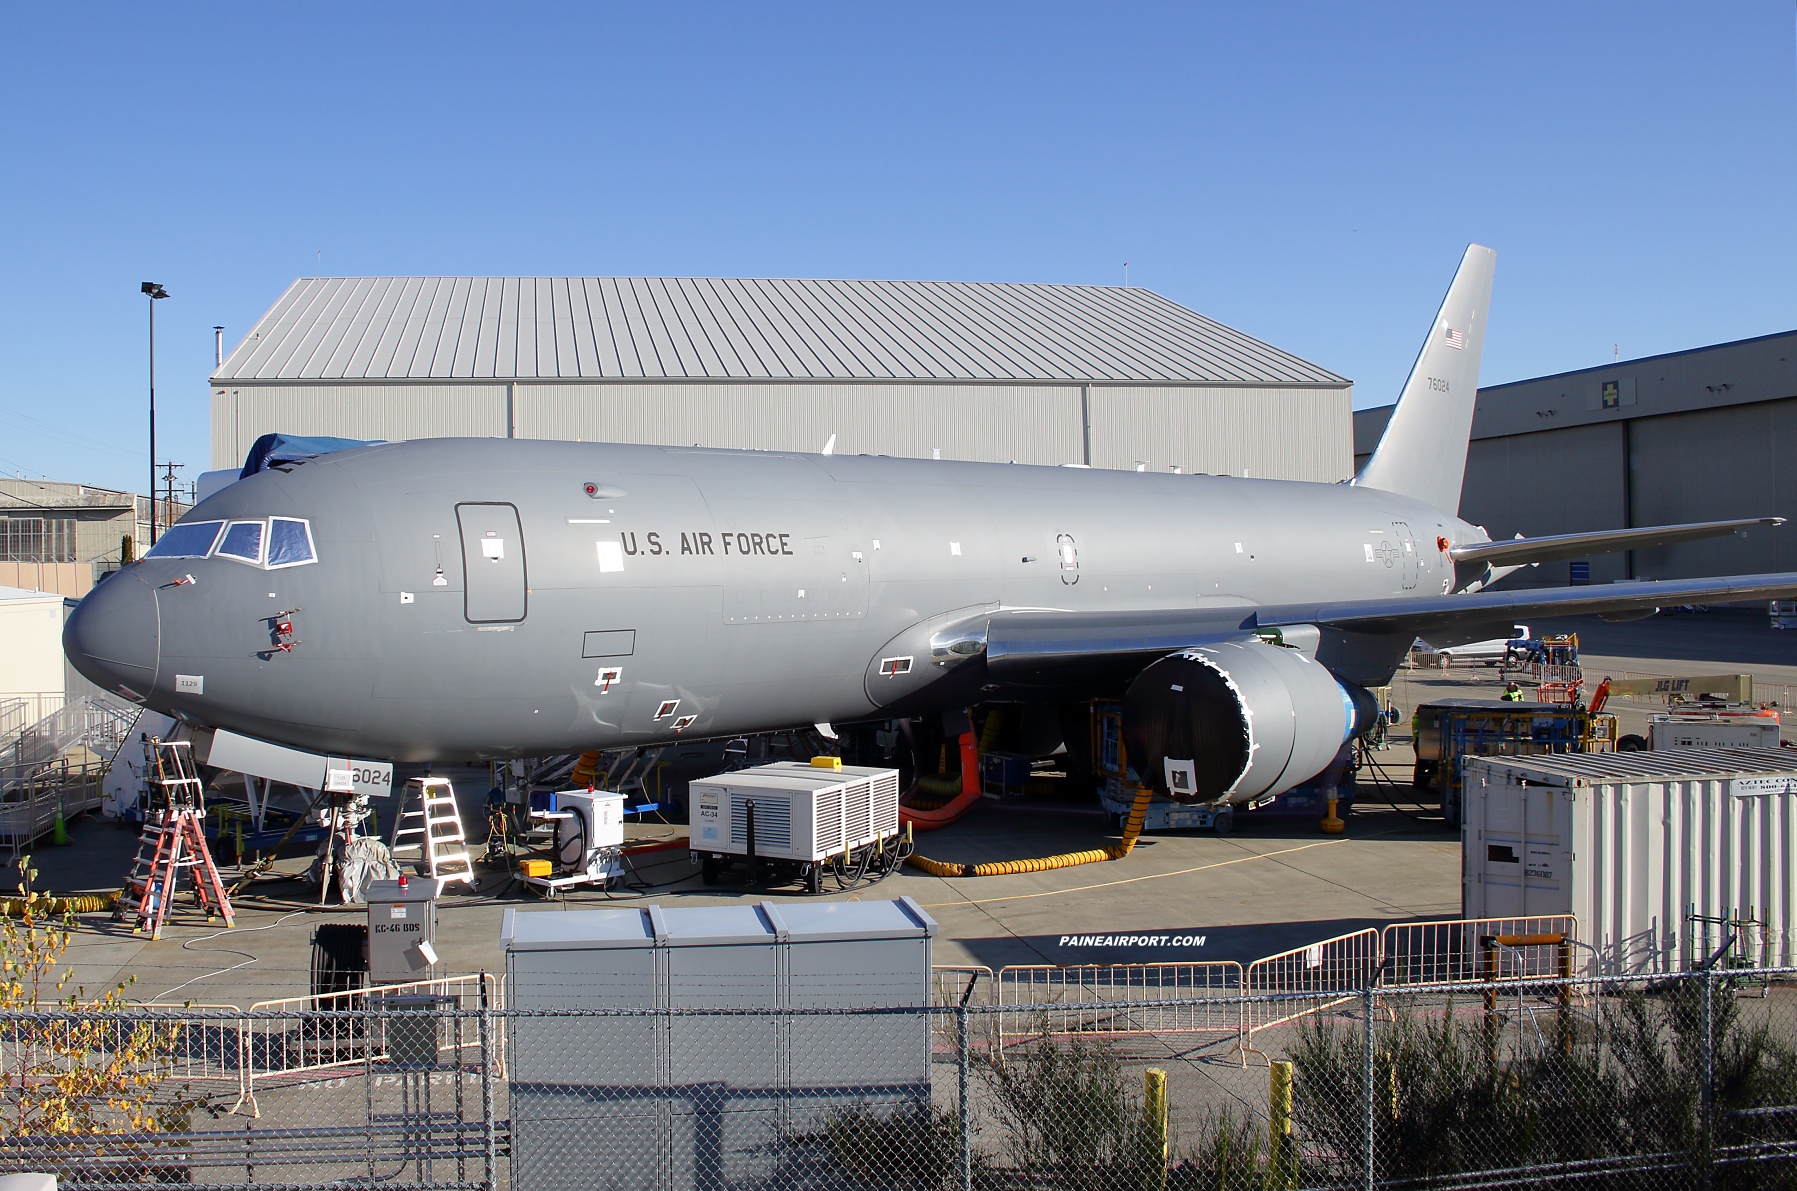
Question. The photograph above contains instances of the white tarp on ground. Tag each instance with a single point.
(364, 861)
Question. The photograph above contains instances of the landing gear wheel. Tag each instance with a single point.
(708, 871)
(1632, 744)
(1223, 822)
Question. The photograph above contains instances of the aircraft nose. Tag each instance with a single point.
(113, 636)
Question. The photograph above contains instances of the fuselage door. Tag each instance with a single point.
(1068, 550)
(1407, 549)
(492, 562)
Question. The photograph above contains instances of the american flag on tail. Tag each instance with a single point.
(1455, 339)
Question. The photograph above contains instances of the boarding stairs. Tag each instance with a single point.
(429, 821)
(173, 842)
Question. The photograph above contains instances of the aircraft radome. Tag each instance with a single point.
(506, 598)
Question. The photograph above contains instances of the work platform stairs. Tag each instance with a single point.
(52, 765)
(95, 725)
(429, 821)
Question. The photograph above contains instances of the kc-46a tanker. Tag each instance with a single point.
(499, 598)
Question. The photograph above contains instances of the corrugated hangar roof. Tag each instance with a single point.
(592, 328)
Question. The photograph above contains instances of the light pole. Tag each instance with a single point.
(153, 291)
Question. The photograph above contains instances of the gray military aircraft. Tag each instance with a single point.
(500, 598)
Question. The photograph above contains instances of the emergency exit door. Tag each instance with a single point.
(492, 562)
(1407, 547)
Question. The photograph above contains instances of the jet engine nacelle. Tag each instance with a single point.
(1238, 720)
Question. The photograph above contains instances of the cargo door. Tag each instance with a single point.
(1407, 549)
(492, 562)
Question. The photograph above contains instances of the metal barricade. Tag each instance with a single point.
(299, 1036)
(952, 985)
(208, 1048)
(956, 984)
(1308, 980)
(1119, 999)
(1448, 952)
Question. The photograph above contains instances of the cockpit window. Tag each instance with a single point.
(243, 541)
(289, 542)
(190, 539)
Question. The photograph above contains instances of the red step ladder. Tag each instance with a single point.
(173, 842)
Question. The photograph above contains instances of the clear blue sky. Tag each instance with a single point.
(1308, 173)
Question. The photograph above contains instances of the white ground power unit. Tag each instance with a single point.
(1686, 730)
(589, 839)
(790, 820)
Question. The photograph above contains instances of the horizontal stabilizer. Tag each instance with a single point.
(1523, 551)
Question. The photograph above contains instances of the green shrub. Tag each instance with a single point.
(1629, 1084)
(915, 1149)
(1067, 1116)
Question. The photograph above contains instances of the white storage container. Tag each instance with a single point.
(802, 812)
(1694, 730)
(1626, 842)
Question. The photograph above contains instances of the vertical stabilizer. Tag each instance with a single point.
(1423, 451)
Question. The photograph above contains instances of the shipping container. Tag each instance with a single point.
(1632, 845)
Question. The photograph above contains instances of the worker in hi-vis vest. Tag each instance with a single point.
(1512, 694)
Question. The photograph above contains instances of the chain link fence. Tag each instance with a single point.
(1674, 1082)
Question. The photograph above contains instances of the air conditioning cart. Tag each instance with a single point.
(790, 822)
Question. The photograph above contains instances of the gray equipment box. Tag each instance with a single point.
(402, 930)
(672, 1100)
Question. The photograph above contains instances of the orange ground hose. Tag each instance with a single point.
(585, 770)
(1117, 851)
(940, 815)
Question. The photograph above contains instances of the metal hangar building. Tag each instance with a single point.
(1699, 435)
(1104, 376)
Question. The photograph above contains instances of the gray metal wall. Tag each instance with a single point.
(242, 414)
(1275, 434)
(1560, 481)
(1706, 465)
(989, 423)
(1296, 433)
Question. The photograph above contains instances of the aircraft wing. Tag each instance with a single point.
(1523, 551)
(1033, 646)
(1420, 617)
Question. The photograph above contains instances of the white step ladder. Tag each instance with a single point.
(428, 821)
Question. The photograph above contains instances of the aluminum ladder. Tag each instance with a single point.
(173, 841)
(429, 821)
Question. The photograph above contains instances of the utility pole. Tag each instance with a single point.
(169, 480)
(153, 290)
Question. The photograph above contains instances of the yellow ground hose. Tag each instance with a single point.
(942, 788)
(58, 904)
(1116, 851)
(995, 722)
